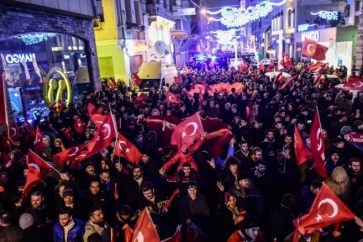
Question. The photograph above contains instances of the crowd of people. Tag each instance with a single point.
(253, 187)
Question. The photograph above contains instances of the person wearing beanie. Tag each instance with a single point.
(8, 231)
(250, 232)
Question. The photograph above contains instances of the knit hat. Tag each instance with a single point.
(192, 184)
(26, 220)
(68, 192)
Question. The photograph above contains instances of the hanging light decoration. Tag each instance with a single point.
(225, 37)
(32, 39)
(236, 17)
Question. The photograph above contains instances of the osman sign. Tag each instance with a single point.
(18, 58)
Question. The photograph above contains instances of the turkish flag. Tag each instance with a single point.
(317, 66)
(243, 67)
(111, 85)
(145, 229)
(353, 84)
(105, 134)
(172, 98)
(302, 153)
(79, 125)
(140, 99)
(68, 154)
(124, 148)
(127, 233)
(3, 101)
(314, 50)
(44, 167)
(326, 209)
(29, 127)
(288, 82)
(38, 136)
(91, 108)
(136, 78)
(13, 131)
(32, 178)
(162, 127)
(176, 237)
(179, 79)
(197, 88)
(238, 87)
(187, 132)
(278, 78)
(287, 61)
(261, 66)
(318, 146)
(318, 77)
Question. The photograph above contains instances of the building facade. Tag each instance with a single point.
(48, 53)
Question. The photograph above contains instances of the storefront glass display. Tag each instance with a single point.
(43, 70)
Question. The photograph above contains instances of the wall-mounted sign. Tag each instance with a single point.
(328, 15)
(184, 12)
(304, 27)
(313, 35)
(18, 58)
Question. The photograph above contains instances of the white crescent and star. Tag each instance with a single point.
(34, 166)
(76, 149)
(357, 84)
(332, 204)
(172, 98)
(14, 132)
(120, 142)
(139, 237)
(107, 126)
(308, 48)
(195, 128)
(318, 137)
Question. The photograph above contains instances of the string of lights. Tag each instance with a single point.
(32, 39)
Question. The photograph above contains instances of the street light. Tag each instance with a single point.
(203, 11)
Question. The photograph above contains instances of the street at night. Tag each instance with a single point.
(181, 121)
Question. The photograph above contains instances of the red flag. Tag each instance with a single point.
(197, 88)
(68, 154)
(302, 153)
(3, 100)
(127, 233)
(111, 85)
(318, 146)
(79, 125)
(353, 84)
(140, 99)
(187, 132)
(178, 79)
(29, 127)
(44, 167)
(13, 131)
(136, 79)
(249, 112)
(278, 78)
(288, 82)
(261, 66)
(176, 237)
(172, 98)
(317, 66)
(116, 195)
(91, 108)
(38, 136)
(318, 77)
(145, 229)
(326, 209)
(314, 50)
(287, 61)
(104, 136)
(33, 177)
(124, 148)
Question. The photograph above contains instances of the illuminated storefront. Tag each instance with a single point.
(341, 42)
(43, 70)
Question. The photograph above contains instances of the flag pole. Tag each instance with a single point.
(51, 166)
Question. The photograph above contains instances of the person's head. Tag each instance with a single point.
(36, 199)
(145, 158)
(261, 167)
(186, 169)
(68, 196)
(148, 191)
(244, 181)
(232, 164)
(137, 172)
(334, 156)
(257, 152)
(26, 220)
(65, 216)
(315, 186)
(288, 139)
(105, 176)
(90, 169)
(229, 200)
(354, 165)
(244, 146)
(270, 135)
(94, 187)
(97, 216)
(288, 201)
(251, 228)
(193, 189)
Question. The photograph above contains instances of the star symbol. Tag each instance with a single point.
(184, 134)
(319, 218)
(127, 150)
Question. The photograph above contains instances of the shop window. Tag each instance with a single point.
(41, 69)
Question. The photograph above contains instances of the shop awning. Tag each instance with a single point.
(150, 70)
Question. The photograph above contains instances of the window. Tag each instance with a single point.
(289, 18)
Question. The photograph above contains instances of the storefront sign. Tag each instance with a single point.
(304, 27)
(53, 88)
(18, 58)
(313, 35)
(184, 12)
(328, 15)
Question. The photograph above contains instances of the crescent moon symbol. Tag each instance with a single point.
(14, 132)
(34, 166)
(120, 142)
(358, 84)
(107, 126)
(195, 127)
(172, 98)
(332, 204)
(308, 48)
(320, 145)
(76, 149)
